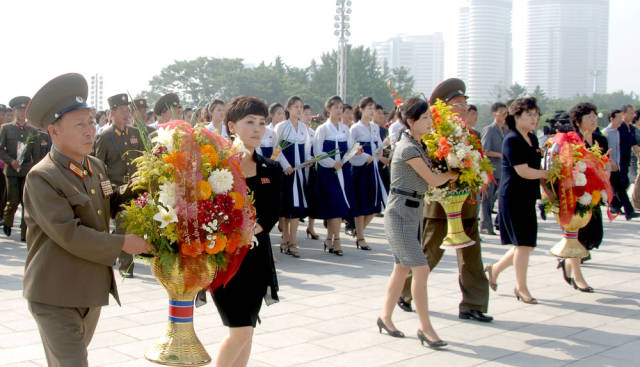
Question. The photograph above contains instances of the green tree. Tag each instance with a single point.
(515, 91)
(197, 81)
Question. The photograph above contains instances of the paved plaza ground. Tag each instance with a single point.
(329, 307)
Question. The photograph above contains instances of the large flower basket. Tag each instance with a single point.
(456, 237)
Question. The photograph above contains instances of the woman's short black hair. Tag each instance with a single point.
(306, 107)
(579, 111)
(518, 107)
(636, 117)
(346, 107)
(472, 107)
(243, 106)
(412, 109)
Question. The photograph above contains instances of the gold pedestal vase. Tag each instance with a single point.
(456, 237)
(180, 346)
(569, 246)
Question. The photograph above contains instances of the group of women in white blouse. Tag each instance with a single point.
(334, 188)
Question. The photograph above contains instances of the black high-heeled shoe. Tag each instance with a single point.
(435, 345)
(313, 236)
(561, 264)
(329, 247)
(337, 249)
(362, 247)
(395, 333)
(588, 289)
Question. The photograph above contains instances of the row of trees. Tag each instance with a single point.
(549, 106)
(200, 80)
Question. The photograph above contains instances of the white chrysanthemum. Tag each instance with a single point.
(581, 166)
(165, 216)
(164, 138)
(167, 195)
(604, 196)
(580, 179)
(475, 155)
(452, 160)
(585, 199)
(221, 181)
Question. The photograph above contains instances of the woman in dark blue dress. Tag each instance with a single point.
(370, 194)
(294, 200)
(519, 190)
(333, 183)
(239, 302)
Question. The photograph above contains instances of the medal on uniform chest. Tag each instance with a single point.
(105, 185)
(133, 140)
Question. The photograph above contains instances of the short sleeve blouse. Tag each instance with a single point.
(403, 176)
(516, 151)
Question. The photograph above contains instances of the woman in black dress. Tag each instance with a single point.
(519, 190)
(585, 121)
(240, 300)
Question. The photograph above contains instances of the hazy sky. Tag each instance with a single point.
(130, 41)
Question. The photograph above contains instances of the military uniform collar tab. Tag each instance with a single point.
(121, 132)
(70, 164)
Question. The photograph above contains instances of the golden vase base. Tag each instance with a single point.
(569, 247)
(179, 347)
(456, 237)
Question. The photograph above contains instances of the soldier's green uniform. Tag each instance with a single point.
(472, 279)
(18, 143)
(68, 274)
(117, 148)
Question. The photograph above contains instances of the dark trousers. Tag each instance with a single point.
(472, 279)
(488, 203)
(3, 190)
(65, 332)
(620, 197)
(15, 187)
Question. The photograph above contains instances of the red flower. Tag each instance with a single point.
(223, 203)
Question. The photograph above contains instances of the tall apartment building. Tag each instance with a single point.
(484, 49)
(423, 56)
(567, 46)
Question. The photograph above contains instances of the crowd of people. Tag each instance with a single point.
(344, 165)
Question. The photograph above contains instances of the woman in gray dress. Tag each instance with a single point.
(410, 178)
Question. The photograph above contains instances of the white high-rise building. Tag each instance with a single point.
(484, 49)
(567, 47)
(423, 56)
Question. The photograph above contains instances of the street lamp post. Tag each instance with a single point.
(343, 11)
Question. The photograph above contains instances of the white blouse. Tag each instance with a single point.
(211, 127)
(361, 133)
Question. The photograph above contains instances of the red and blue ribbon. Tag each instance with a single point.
(180, 311)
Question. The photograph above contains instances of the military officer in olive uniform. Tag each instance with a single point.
(139, 112)
(117, 146)
(18, 141)
(68, 274)
(472, 279)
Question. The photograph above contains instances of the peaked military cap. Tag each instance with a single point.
(165, 102)
(118, 100)
(139, 103)
(448, 90)
(63, 94)
(19, 102)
